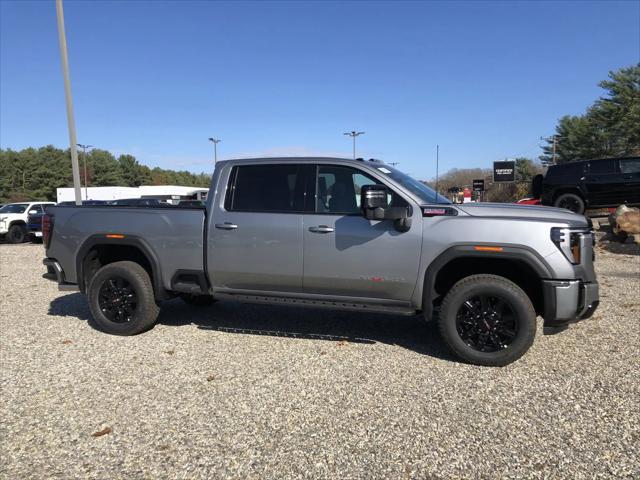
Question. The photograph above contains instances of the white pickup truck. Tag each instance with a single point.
(14, 216)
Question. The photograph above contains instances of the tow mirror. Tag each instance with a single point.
(375, 206)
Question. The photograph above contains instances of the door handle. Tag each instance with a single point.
(226, 226)
(321, 229)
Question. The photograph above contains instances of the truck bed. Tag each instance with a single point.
(173, 235)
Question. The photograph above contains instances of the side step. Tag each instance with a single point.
(316, 302)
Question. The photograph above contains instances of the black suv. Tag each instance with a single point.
(607, 182)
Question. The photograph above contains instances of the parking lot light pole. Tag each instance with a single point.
(215, 142)
(353, 134)
(62, 40)
(84, 157)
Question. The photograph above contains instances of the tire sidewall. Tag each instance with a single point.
(142, 312)
(11, 233)
(573, 195)
(521, 307)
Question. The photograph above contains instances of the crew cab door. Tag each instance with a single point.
(255, 229)
(603, 183)
(630, 170)
(347, 255)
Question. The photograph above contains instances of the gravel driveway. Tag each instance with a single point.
(245, 391)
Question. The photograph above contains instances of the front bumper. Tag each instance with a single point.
(568, 301)
(56, 274)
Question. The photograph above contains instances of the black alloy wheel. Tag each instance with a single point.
(487, 323)
(16, 234)
(117, 300)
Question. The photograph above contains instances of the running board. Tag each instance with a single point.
(317, 303)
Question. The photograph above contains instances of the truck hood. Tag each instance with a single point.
(524, 212)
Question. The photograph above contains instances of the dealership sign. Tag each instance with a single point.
(504, 171)
(478, 185)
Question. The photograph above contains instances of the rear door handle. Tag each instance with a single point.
(226, 226)
(321, 229)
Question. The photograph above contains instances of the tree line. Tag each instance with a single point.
(609, 128)
(36, 173)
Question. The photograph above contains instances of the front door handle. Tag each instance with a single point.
(226, 226)
(321, 229)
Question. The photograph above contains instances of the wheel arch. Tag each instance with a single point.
(98, 250)
(518, 263)
(575, 190)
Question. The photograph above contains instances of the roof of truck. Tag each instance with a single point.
(299, 160)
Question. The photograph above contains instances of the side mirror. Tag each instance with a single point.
(374, 201)
(32, 212)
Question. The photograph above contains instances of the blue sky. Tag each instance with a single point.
(155, 79)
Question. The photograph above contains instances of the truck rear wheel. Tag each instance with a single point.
(16, 234)
(571, 202)
(121, 299)
(487, 320)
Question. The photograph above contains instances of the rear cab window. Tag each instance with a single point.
(274, 188)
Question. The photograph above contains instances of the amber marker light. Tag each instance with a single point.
(488, 249)
(114, 235)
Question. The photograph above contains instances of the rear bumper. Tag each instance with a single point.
(568, 301)
(56, 274)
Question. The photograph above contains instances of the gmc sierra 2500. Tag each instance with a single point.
(335, 233)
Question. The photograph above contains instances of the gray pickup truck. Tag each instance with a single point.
(334, 233)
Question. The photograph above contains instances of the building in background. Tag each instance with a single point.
(166, 193)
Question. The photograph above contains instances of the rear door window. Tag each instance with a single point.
(630, 165)
(266, 188)
(602, 167)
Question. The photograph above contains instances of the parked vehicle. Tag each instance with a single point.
(334, 233)
(84, 202)
(14, 217)
(191, 203)
(138, 202)
(606, 182)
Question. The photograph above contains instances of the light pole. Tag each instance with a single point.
(353, 134)
(62, 39)
(84, 157)
(215, 142)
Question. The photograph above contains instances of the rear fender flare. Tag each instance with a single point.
(129, 240)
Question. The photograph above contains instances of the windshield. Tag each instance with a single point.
(14, 208)
(419, 189)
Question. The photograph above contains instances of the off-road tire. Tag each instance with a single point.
(16, 234)
(197, 300)
(571, 202)
(146, 310)
(496, 286)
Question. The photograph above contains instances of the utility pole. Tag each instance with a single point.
(84, 157)
(215, 142)
(62, 40)
(554, 140)
(437, 168)
(353, 134)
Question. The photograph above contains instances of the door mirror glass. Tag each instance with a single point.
(373, 196)
(33, 212)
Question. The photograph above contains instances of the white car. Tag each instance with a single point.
(14, 216)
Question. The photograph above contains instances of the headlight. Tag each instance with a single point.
(568, 242)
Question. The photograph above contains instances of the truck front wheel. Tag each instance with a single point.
(121, 299)
(487, 320)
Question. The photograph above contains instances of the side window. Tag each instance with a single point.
(630, 165)
(602, 167)
(338, 190)
(266, 188)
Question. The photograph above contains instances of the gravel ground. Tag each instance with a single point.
(245, 391)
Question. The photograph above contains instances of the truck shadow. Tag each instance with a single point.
(412, 333)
